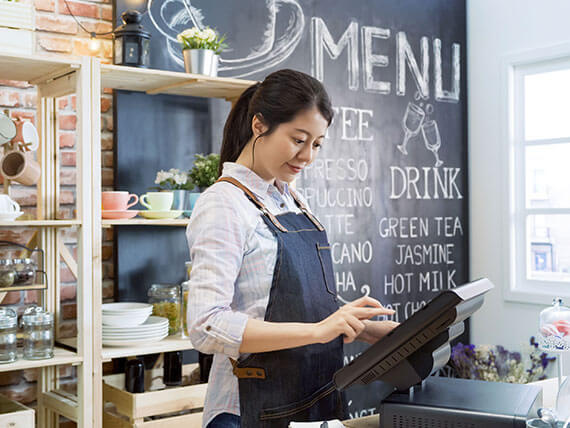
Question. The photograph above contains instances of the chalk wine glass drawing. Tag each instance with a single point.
(412, 122)
(274, 29)
(432, 139)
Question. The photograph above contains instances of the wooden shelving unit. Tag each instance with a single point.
(61, 356)
(54, 78)
(150, 82)
(146, 222)
(40, 223)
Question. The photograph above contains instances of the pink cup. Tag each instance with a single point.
(117, 201)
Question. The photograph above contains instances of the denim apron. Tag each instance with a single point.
(294, 384)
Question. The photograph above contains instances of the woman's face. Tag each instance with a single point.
(291, 147)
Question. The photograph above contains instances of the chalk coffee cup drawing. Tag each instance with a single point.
(157, 201)
(7, 205)
(117, 201)
(21, 167)
(268, 43)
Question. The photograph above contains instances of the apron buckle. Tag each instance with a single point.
(247, 372)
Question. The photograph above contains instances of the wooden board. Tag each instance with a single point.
(170, 82)
(28, 68)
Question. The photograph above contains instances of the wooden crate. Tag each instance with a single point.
(14, 414)
(126, 410)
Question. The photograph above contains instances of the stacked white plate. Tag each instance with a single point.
(125, 314)
(130, 324)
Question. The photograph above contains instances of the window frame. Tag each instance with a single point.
(514, 68)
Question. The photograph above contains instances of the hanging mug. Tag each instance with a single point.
(20, 167)
(27, 135)
(7, 129)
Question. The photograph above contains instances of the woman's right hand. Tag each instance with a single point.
(348, 320)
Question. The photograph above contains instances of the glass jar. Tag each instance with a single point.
(8, 339)
(38, 333)
(165, 300)
(7, 273)
(555, 327)
(185, 288)
(25, 271)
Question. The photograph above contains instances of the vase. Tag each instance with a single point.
(181, 200)
(193, 198)
(201, 61)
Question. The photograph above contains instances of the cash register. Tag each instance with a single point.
(402, 364)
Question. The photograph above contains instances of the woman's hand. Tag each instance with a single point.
(376, 330)
(349, 320)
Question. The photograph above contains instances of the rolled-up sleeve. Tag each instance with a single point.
(216, 238)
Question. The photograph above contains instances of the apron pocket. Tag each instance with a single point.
(325, 257)
(298, 406)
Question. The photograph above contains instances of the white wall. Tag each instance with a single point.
(495, 29)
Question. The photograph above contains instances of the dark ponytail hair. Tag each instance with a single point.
(278, 99)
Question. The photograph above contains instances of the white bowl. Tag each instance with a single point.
(129, 320)
(125, 307)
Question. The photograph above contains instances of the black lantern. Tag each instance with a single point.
(132, 42)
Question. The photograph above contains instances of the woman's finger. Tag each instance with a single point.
(357, 325)
(365, 301)
(367, 313)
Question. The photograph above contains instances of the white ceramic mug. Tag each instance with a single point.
(7, 205)
(157, 201)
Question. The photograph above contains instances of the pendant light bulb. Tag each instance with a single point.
(94, 44)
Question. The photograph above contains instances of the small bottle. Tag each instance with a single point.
(172, 375)
(8, 339)
(134, 376)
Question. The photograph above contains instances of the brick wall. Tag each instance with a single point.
(59, 34)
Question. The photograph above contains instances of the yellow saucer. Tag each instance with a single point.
(160, 214)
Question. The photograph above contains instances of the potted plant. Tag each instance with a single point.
(201, 50)
(179, 184)
(204, 173)
(16, 26)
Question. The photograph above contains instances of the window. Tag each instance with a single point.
(540, 182)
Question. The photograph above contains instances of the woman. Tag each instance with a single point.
(262, 293)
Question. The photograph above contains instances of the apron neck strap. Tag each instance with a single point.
(303, 208)
(255, 201)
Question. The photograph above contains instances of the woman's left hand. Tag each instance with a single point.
(376, 330)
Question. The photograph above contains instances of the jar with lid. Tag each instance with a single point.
(165, 301)
(8, 339)
(38, 333)
(555, 327)
(7, 273)
(185, 289)
(25, 271)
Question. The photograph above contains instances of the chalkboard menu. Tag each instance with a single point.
(390, 183)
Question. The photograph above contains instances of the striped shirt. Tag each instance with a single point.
(233, 253)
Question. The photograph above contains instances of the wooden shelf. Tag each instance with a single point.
(34, 69)
(40, 223)
(146, 222)
(171, 82)
(171, 343)
(22, 288)
(61, 356)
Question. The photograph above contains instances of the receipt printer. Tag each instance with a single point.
(454, 403)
